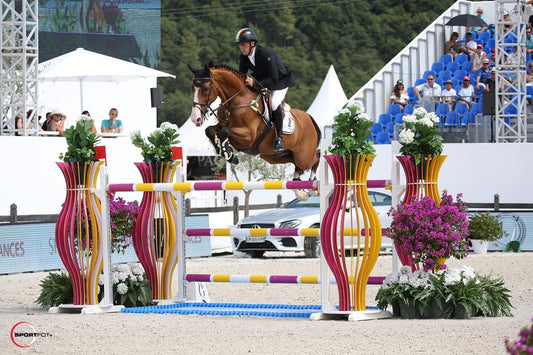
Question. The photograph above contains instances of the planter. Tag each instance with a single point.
(438, 311)
(408, 310)
(463, 312)
(396, 308)
(154, 233)
(421, 180)
(78, 231)
(479, 246)
(351, 273)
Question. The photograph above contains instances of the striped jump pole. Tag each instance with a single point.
(264, 232)
(270, 279)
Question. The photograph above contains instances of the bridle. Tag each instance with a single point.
(205, 107)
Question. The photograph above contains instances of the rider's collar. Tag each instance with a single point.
(251, 56)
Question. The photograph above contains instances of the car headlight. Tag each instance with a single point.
(293, 223)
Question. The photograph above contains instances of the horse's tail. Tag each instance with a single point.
(318, 132)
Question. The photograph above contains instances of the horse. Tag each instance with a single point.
(241, 124)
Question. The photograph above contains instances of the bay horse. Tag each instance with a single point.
(241, 124)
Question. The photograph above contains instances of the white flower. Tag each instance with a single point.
(359, 104)
(137, 269)
(403, 279)
(419, 111)
(406, 136)
(426, 121)
(140, 277)
(167, 125)
(124, 268)
(344, 110)
(134, 134)
(409, 118)
(433, 117)
(85, 118)
(364, 117)
(122, 288)
(122, 276)
(468, 272)
(114, 277)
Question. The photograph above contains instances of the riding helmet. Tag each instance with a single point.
(245, 35)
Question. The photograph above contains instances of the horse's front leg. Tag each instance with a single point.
(221, 143)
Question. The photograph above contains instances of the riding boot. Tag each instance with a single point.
(277, 117)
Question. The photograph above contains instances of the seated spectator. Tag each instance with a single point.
(469, 46)
(58, 122)
(492, 57)
(483, 74)
(87, 115)
(30, 122)
(448, 95)
(428, 93)
(47, 121)
(529, 74)
(112, 125)
(490, 84)
(452, 46)
(478, 57)
(399, 95)
(529, 41)
(479, 13)
(466, 92)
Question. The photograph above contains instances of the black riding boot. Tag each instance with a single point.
(277, 117)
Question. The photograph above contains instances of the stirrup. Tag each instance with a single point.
(278, 145)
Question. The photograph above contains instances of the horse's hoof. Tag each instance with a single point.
(314, 192)
(234, 160)
(300, 194)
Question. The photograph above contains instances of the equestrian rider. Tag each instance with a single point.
(269, 72)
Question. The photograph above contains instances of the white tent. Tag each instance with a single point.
(329, 100)
(84, 80)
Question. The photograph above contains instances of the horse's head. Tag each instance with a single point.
(204, 93)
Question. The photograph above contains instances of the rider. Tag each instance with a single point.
(268, 72)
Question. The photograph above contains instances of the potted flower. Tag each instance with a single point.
(351, 156)
(429, 233)
(484, 228)
(154, 235)
(76, 233)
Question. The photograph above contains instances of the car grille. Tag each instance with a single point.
(266, 245)
(257, 225)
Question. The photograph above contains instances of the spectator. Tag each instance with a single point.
(57, 123)
(478, 57)
(428, 93)
(112, 125)
(529, 74)
(492, 58)
(19, 125)
(483, 74)
(448, 95)
(479, 13)
(30, 122)
(452, 47)
(529, 41)
(399, 95)
(86, 114)
(47, 121)
(466, 92)
(469, 46)
(490, 84)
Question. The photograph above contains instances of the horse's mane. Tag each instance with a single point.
(230, 69)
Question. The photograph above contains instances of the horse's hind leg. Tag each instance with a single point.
(312, 176)
(300, 193)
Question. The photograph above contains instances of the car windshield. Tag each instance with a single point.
(312, 201)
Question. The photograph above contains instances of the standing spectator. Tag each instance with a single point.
(399, 95)
(87, 115)
(448, 95)
(466, 92)
(490, 84)
(452, 47)
(478, 57)
(479, 13)
(47, 121)
(529, 74)
(529, 41)
(19, 125)
(112, 125)
(483, 74)
(428, 93)
(58, 122)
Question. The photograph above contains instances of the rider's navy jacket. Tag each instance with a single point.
(269, 70)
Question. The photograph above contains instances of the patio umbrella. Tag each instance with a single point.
(466, 20)
(86, 66)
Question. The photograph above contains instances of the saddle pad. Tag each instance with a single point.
(288, 120)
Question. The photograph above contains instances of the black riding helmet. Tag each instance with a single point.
(245, 35)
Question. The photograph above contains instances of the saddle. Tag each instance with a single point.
(288, 119)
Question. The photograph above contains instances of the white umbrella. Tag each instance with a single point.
(86, 66)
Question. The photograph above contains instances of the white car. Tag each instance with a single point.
(301, 214)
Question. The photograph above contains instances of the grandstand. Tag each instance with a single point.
(512, 120)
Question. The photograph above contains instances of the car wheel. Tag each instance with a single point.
(312, 246)
(256, 253)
